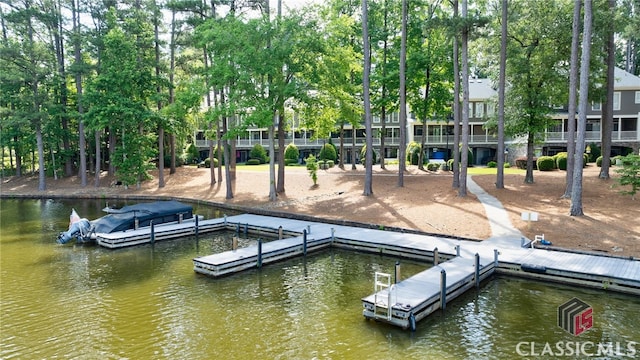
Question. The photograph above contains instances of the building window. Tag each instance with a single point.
(596, 106)
(480, 109)
(491, 109)
(637, 97)
(616, 100)
(470, 110)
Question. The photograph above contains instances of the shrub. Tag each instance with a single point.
(207, 162)
(192, 155)
(595, 152)
(290, 162)
(363, 153)
(492, 164)
(507, 165)
(599, 161)
(413, 152)
(328, 152)
(433, 166)
(561, 160)
(218, 151)
(291, 152)
(545, 163)
(450, 164)
(312, 167)
(253, 162)
(330, 163)
(469, 157)
(630, 174)
(258, 152)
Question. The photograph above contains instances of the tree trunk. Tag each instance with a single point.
(341, 160)
(528, 177)
(573, 84)
(96, 178)
(501, 86)
(423, 142)
(456, 105)
(227, 159)
(368, 178)
(82, 140)
(576, 192)
(159, 104)
(402, 157)
(607, 105)
(462, 190)
(272, 163)
(281, 148)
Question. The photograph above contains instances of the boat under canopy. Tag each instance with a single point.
(129, 217)
(125, 218)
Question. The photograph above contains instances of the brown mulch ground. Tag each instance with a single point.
(426, 202)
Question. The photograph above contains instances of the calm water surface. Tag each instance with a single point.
(146, 302)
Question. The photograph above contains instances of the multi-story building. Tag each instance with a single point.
(482, 142)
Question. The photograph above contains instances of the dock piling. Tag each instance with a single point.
(457, 250)
(304, 242)
(280, 232)
(238, 229)
(309, 229)
(495, 257)
(196, 225)
(259, 264)
(153, 232)
(436, 257)
(246, 229)
(333, 235)
(443, 289)
(397, 272)
(477, 276)
(234, 243)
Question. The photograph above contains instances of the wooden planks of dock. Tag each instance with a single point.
(415, 298)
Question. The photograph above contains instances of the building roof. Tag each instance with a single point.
(481, 89)
(625, 80)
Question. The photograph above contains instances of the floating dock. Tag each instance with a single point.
(457, 268)
(405, 303)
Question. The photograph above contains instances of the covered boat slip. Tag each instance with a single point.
(414, 298)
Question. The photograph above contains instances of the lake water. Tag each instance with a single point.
(146, 302)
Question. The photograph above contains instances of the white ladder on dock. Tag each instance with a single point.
(382, 308)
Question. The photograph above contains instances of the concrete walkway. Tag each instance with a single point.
(503, 233)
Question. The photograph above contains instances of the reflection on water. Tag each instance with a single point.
(146, 302)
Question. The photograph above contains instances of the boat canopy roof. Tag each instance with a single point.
(124, 218)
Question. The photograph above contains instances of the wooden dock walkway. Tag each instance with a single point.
(416, 297)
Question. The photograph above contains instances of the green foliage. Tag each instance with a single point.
(330, 163)
(507, 165)
(253, 162)
(433, 166)
(259, 153)
(545, 163)
(288, 162)
(599, 161)
(469, 157)
(561, 160)
(492, 164)
(207, 162)
(413, 152)
(192, 155)
(450, 164)
(312, 167)
(328, 152)
(291, 153)
(596, 151)
(521, 162)
(363, 153)
(630, 174)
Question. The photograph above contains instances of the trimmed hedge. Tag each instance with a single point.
(521, 162)
(433, 166)
(259, 152)
(253, 162)
(492, 164)
(328, 152)
(545, 163)
(291, 152)
(561, 160)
